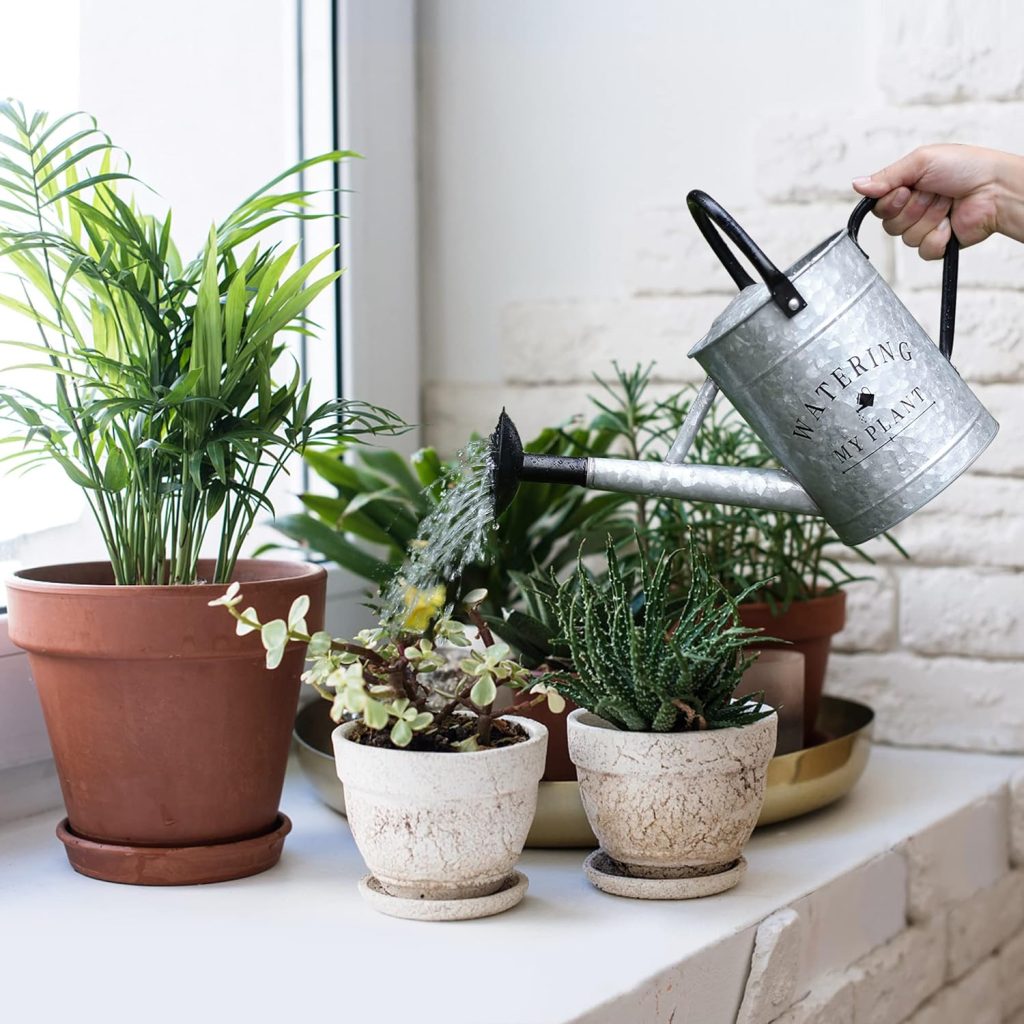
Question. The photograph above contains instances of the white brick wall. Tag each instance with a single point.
(952, 54)
(955, 956)
(936, 644)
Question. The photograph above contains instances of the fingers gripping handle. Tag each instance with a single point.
(950, 269)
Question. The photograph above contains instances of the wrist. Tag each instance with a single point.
(1009, 182)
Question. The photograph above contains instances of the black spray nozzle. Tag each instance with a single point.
(509, 465)
(506, 463)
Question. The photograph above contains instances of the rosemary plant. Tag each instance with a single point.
(792, 557)
(644, 665)
(163, 402)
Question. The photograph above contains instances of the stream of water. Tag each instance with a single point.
(453, 535)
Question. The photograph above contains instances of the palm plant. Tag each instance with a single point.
(164, 405)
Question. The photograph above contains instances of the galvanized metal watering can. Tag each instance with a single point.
(865, 413)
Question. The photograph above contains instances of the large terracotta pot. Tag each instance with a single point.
(809, 626)
(170, 736)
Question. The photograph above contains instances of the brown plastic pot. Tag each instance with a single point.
(167, 729)
(558, 767)
(809, 626)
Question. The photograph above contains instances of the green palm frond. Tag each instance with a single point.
(166, 400)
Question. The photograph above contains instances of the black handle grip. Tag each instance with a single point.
(950, 269)
(708, 213)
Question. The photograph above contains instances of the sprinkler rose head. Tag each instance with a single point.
(508, 465)
(505, 463)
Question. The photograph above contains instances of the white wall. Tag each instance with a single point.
(558, 141)
(549, 130)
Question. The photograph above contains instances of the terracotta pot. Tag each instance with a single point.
(809, 627)
(441, 826)
(558, 766)
(675, 804)
(778, 674)
(167, 729)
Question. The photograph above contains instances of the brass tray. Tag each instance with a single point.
(798, 783)
(313, 728)
(817, 776)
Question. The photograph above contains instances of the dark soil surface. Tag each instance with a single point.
(443, 740)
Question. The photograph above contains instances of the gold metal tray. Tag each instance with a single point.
(313, 728)
(817, 776)
(798, 783)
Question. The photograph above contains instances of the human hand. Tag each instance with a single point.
(934, 190)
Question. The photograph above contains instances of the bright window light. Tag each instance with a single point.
(44, 76)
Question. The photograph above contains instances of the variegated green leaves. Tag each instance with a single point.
(406, 684)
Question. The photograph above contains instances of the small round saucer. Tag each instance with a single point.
(504, 899)
(603, 872)
(175, 865)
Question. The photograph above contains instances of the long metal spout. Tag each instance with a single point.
(725, 485)
(770, 489)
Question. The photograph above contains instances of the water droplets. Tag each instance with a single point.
(453, 535)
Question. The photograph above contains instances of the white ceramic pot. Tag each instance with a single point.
(441, 825)
(676, 804)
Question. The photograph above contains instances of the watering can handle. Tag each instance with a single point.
(707, 212)
(950, 268)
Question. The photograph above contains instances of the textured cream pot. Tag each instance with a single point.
(671, 805)
(441, 826)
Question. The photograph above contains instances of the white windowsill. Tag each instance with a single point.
(299, 936)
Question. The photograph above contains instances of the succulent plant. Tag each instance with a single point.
(645, 663)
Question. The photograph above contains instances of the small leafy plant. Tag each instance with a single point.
(412, 687)
(645, 666)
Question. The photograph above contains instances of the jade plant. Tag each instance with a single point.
(166, 390)
(424, 686)
(645, 663)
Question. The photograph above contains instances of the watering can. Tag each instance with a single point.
(866, 415)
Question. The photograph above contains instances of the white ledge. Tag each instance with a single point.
(299, 940)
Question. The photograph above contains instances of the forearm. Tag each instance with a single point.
(1010, 195)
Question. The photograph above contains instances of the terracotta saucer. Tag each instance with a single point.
(504, 899)
(175, 865)
(609, 877)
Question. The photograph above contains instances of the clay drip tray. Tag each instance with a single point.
(609, 876)
(509, 895)
(175, 865)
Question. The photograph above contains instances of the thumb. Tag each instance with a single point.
(905, 171)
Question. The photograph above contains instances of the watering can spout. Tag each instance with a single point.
(509, 466)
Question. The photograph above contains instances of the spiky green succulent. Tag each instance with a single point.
(646, 665)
